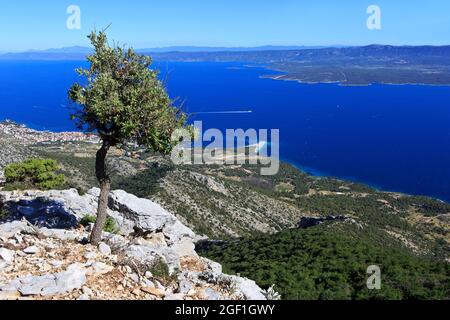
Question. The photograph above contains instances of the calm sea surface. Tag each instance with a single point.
(392, 137)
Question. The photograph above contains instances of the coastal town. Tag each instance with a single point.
(25, 135)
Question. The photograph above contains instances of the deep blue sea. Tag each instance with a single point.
(395, 138)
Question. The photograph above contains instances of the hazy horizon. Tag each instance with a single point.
(235, 48)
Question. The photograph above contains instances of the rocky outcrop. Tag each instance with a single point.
(209, 182)
(49, 284)
(44, 255)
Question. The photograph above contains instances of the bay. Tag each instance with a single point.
(395, 138)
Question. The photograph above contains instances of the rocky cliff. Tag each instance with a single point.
(44, 252)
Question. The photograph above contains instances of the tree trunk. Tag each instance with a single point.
(105, 186)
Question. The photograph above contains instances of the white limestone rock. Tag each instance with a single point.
(31, 250)
(104, 249)
(37, 285)
(249, 289)
(73, 278)
(6, 255)
(185, 286)
(10, 229)
(146, 215)
(210, 294)
(61, 234)
(90, 255)
(100, 268)
(185, 248)
(143, 254)
(50, 284)
(160, 236)
(177, 231)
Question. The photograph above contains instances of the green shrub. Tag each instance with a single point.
(37, 173)
(110, 225)
(3, 213)
(160, 271)
(81, 191)
(88, 219)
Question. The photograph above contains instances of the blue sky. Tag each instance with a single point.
(31, 24)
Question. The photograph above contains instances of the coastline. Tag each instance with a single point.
(282, 75)
(347, 84)
(33, 136)
(26, 135)
(378, 188)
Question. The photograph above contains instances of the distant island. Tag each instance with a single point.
(428, 65)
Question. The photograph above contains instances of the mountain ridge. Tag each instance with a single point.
(79, 51)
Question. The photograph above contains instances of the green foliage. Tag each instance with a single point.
(81, 191)
(88, 219)
(160, 271)
(427, 206)
(39, 173)
(3, 213)
(330, 262)
(123, 99)
(84, 165)
(110, 225)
